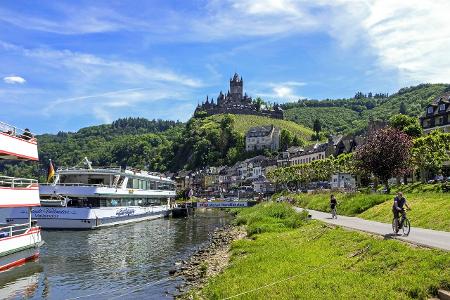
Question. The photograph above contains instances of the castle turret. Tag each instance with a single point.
(236, 88)
(220, 99)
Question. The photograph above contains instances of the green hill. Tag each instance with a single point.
(220, 139)
(131, 141)
(352, 115)
(242, 123)
(333, 119)
(415, 99)
(153, 144)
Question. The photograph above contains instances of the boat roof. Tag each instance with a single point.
(129, 172)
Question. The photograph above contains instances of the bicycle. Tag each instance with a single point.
(406, 227)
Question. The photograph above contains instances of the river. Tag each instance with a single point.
(127, 261)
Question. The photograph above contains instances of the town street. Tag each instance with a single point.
(417, 236)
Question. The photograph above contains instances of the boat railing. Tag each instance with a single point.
(13, 131)
(13, 230)
(77, 184)
(93, 169)
(12, 182)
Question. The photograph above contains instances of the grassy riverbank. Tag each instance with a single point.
(309, 260)
(429, 209)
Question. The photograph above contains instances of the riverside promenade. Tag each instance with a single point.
(418, 236)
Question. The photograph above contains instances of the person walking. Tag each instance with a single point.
(333, 204)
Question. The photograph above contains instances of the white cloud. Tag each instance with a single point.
(282, 91)
(14, 80)
(71, 20)
(83, 83)
(409, 37)
(412, 36)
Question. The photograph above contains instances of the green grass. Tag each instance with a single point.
(429, 210)
(418, 187)
(349, 204)
(323, 262)
(269, 217)
(243, 122)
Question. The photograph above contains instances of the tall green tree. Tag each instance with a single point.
(286, 138)
(430, 152)
(317, 127)
(402, 109)
(407, 124)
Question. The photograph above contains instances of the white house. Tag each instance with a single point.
(343, 181)
(262, 137)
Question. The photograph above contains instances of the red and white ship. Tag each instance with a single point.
(19, 243)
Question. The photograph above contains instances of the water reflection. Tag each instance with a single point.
(131, 260)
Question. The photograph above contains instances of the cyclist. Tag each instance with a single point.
(397, 209)
(333, 204)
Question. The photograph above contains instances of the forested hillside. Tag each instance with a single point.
(155, 145)
(132, 141)
(220, 139)
(352, 115)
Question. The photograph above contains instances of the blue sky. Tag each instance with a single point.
(70, 64)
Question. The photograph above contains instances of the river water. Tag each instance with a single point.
(121, 262)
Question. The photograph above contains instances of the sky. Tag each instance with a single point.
(65, 65)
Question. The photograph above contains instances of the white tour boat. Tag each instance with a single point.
(91, 197)
(19, 243)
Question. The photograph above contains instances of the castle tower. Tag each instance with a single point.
(236, 88)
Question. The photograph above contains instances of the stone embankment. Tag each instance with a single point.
(208, 261)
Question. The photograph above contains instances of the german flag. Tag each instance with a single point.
(50, 171)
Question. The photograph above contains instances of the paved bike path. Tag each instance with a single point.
(419, 236)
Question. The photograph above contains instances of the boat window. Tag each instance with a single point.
(142, 184)
(135, 183)
(84, 202)
(152, 185)
(96, 181)
(130, 183)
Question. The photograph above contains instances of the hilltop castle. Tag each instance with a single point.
(236, 102)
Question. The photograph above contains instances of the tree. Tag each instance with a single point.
(317, 127)
(430, 152)
(407, 124)
(402, 109)
(386, 153)
(285, 139)
(259, 103)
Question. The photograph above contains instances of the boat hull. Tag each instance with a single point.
(88, 218)
(19, 249)
(18, 258)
